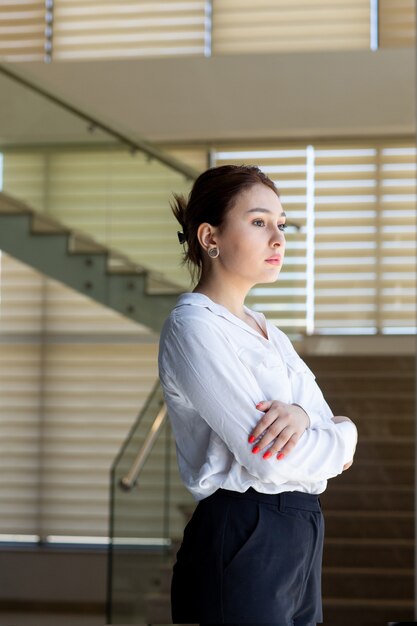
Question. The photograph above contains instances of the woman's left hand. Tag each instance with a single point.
(283, 424)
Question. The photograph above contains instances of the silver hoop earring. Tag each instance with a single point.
(213, 252)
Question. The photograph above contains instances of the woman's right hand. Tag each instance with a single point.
(283, 424)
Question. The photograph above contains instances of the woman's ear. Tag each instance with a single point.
(206, 234)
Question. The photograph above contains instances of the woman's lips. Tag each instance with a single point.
(274, 261)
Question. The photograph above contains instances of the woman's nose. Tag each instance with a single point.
(278, 238)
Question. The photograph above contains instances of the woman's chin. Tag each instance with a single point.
(272, 275)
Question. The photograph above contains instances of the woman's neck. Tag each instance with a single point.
(231, 298)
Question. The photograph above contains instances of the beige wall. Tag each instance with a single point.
(315, 94)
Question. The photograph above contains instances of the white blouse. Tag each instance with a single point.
(214, 368)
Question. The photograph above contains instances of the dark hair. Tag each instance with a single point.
(213, 194)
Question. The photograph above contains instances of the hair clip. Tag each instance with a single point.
(181, 237)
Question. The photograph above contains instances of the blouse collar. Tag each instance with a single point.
(200, 299)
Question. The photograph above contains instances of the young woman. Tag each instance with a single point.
(255, 439)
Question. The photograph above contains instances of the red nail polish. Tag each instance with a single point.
(259, 404)
(267, 454)
(251, 439)
(255, 449)
(280, 456)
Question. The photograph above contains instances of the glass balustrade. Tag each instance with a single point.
(146, 520)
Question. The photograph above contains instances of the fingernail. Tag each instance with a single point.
(267, 454)
(259, 404)
(280, 456)
(251, 439)
(255, 449)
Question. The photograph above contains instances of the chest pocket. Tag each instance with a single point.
(270, 373)
(296, 365)
(302, 380)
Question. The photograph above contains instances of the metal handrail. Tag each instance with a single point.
(133, 144)
(129, 480)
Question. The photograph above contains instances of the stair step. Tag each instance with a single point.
(363, 406)
(81, 244)
(44, 225)
(363, 552)
(362, 472)
(157, 284)
(120, 264)
(337, 611)
(372, 583)
(387, 448)
(11, 206)
(335, 365)
(368, 498)
(366, 385)
(158, 608)
(364, 612)
(385, 425)
(386, 525)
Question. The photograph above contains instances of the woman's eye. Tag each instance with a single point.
(255, 221)
(282, 227)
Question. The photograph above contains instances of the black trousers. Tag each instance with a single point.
(250, 558)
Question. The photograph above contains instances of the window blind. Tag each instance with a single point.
(397, 257)
(346, 239)
(397, 23)
(351, 267)
(241, 26)
(91, 29)
(104, 29)
(20, 358)
(74, 376)
(344, 196)
(22, 30)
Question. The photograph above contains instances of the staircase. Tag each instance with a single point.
(78, 261)
(368, 575)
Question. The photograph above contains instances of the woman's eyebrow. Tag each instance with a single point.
(261, 210)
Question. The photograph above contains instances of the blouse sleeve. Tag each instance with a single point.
(201, 364)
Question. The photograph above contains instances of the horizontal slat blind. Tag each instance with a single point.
(21, 305)
(357, 273)
(21, 298)
(283, 25)
(20, 444)
(74, 376)
(398, 237)
(105, 29)
(397, 23)
(22, 30)
(91, 29)
(340, 288)
(346, 231)
(93, 393)
(285, 302)
(24, 175)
